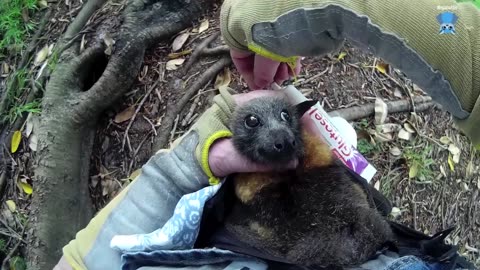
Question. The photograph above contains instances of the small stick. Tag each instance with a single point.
(136, 152)
(151, 124)
(14, 249)
(136, 112)
(172, 133)
(311, 78)
(190, 112)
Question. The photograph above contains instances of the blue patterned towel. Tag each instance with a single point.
(179, 233)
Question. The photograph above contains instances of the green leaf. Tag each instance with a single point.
(341, 56)
(412, 173)
(16, 138)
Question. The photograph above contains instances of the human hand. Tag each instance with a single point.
(260, 72)
(224, 159)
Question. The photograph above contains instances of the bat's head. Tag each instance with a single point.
(447, 22)
(267, 130)
(447, 28)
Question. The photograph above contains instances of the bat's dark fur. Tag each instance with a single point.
(315, 215)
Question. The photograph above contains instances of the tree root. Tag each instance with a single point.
(423, 103)
(174, 109)
(199, 50)
(79, 90)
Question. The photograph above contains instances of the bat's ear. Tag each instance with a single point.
(302, 108)
(454, 18)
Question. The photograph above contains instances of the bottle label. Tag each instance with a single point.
(340, 148)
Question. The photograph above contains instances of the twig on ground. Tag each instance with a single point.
(13, 250)
(172, 133)
(359, 112)
(137, 110)
(199, 51)
(311, 78)
(174, 109)
(151, 124)
(190, 112)
(132, 159)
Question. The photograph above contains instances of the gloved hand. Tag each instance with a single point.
(194, 161)
(407, 34)
(260, 72)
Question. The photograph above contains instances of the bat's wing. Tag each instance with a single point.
(454, 18)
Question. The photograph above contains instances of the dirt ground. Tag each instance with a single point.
(442, 193)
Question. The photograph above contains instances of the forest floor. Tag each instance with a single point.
(432, 178)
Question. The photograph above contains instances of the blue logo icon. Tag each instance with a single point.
(447, 22)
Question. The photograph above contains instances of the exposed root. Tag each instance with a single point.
(199, 50)
(354, 113)
(174, 109)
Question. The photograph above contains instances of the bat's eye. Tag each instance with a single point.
(444, 27)
(252, 121)
(285, 116)
(450, 27)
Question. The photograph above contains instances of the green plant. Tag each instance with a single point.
(3, 245)
(16, 111)
(418, 162)
(366, 148)
(13, 28)
(18, 263)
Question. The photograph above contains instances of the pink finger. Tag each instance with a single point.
(297, 69)
(282, 73)
(264, 71)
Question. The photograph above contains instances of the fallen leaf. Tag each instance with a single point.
(445, 140)
(465, 186)
(442, 170)
(43, 3)
(413, 171)
(395, 151)
(16, 138)
(395, 212)
(174, 63)
(203, 26)
(404, 135)
(223, 79)
(5, 68)
(382, 67)
(124, 115)
(29, 125)
(397, 93)
(377, 185)
(182, 53)
(179, 41)
(27, 188)
(381, 111)
(450, 163)
(389, 127)
(33, 142)
(341, 56)
(109, 42)
(409, 128)
(383, 137)
(469, 169)
(452, 148)
(41, 56)
(11, 205)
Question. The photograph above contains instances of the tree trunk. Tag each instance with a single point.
(72, 103)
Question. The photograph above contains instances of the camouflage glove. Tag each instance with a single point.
(194, 161)
(408, 34)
